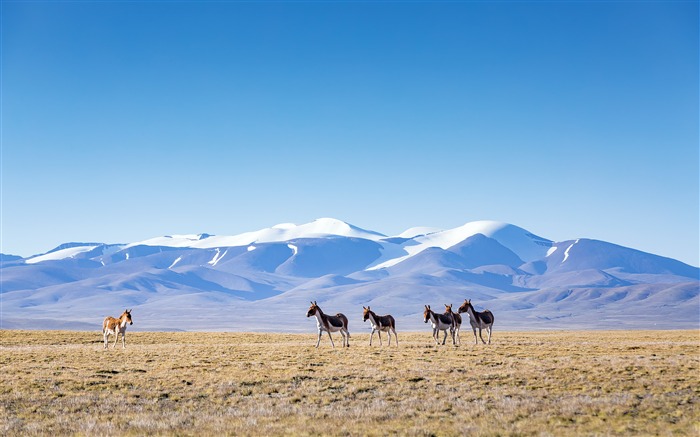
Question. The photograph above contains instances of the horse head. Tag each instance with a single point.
(426, 314)
(365, 314)
(448, 308)
(127, 314)
(465, 306)
(312, 309)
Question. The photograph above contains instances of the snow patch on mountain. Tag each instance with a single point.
(566, 252)
(417, 232)
(70, 252)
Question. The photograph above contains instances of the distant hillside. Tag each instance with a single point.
(208, 282)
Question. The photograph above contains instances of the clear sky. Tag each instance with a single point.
(126, 120)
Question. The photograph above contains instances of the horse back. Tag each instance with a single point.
(445, 318)
(339, 321)
(487, 317)
(109, 323)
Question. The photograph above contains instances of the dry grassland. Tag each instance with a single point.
(544, 383)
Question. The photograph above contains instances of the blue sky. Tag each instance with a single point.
(123, 121)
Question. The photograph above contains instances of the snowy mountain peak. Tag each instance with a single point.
(331, 226)
(523, 243)
(526, 246)
(323, 227)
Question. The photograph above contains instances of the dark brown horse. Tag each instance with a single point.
(380, 324)
(440, 322)
(329, 324)
(458, 322)
(478, 319)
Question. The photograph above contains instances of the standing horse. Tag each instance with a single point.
(440, 322)
(112, 326)
(330, 324)
(458, 321)
(380, 324)
(478, 319)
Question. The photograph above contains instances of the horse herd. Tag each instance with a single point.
(448, 320)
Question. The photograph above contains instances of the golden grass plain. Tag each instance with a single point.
(197, 383)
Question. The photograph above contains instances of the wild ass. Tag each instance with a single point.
(458, 322)
(112, 326)
(380, 324)
(478, 319)
(440, 322)
(329, 324)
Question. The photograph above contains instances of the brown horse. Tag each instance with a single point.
(329, 324)
(439, 322)
(380, 324)
(112, 326)
(478, 319)
(458, 322)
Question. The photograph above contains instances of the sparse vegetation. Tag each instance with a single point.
(543, 383)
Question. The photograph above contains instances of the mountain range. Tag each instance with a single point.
(235, 283)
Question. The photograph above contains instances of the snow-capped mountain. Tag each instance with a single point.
(209, 282)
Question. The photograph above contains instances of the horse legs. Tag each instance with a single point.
(395, 337)
(482, 338)
(476, 340)
(445, 337)
(379, 333)
(372, 335)
(124, 340)
(319, 338)
(105, 334)
(489, 329)
(331, 337)
(459, 340)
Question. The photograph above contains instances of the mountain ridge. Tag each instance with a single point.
(533, 282)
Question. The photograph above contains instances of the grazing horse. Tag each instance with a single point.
(440, 322)
(458, 321)
(478, 319)
(112, 326)
(329, 324)
(380, 324)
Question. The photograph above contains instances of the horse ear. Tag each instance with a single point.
(315, 303)
(427, 306)
(363, 307)
(367, 308)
